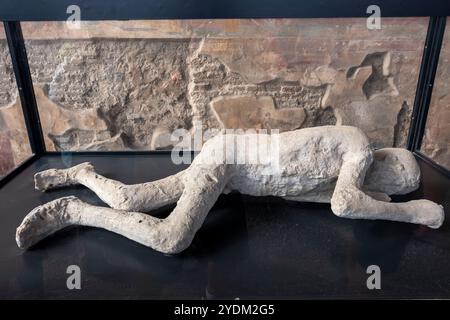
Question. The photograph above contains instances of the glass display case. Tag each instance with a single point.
(15, 146)
(113, 91)
(436, 141)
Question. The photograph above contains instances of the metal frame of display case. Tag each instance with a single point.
(424, 90)
(12, 12)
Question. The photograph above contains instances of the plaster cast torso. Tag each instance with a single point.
(302, 162)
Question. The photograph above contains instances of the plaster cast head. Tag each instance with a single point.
(393, 171)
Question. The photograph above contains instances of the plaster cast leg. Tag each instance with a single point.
(170, 235)
(136, 197)
(350, 202)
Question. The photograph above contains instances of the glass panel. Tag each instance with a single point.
(436, 140)
(127, 85)
(14, 143)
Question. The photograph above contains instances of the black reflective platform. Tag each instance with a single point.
(248, 247)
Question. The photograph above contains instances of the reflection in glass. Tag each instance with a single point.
(127, 85)
(14, 144)
(436, 140)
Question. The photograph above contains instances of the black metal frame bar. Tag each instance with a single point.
(429, 65)
(24, 82)
(19, 60)
(55, 10)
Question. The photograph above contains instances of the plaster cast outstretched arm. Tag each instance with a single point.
(137, 197)
(170, 235)
(349, 201)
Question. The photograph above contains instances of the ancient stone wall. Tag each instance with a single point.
(124, 85)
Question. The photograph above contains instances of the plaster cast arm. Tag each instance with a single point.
(348, 201)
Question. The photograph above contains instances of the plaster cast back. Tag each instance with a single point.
(306, 163)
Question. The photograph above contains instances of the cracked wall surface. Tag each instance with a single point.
(126, 85)
(132, 85)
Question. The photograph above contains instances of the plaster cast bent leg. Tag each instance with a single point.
(170, 235)
(136, 197)
(350, 202)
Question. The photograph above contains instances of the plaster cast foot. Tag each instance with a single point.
(45, 220)
(57, 178)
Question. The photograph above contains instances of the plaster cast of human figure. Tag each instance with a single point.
(332, 164)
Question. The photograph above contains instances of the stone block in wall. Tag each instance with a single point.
(256, 112)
